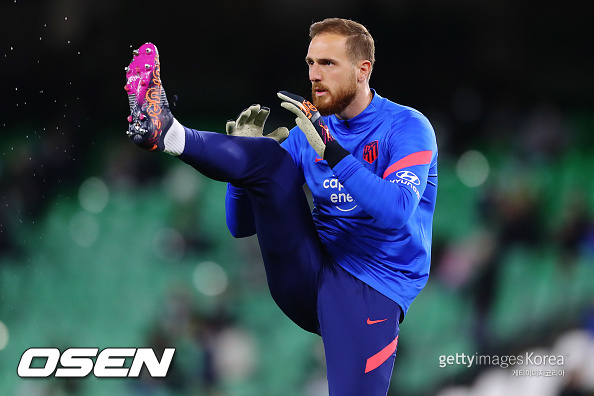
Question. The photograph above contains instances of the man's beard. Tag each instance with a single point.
(333, 102)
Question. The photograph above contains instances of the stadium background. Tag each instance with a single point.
(102, 245)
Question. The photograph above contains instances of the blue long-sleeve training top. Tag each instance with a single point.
(374, 210)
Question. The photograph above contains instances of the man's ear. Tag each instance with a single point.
(363, 70)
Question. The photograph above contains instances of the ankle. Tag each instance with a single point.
(175, 139)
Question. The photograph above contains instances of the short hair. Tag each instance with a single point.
(359, 44)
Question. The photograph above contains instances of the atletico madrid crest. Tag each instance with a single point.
(370, 152)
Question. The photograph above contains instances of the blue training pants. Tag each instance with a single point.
(359, 326)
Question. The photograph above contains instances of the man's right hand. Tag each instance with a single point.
(250, 123)
(311, 123)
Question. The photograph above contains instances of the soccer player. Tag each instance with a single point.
(350, 270)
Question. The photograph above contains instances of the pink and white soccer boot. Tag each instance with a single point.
(150, 117)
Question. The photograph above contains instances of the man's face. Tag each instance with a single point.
(332, 75)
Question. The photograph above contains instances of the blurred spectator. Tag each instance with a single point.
(575, 235)
(461, 261)
(545, 133)
(212, 350)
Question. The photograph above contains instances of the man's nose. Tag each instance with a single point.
(314, 73)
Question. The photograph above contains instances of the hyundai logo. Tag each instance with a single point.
(409, 177)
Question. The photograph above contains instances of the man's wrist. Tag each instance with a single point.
(334, 153)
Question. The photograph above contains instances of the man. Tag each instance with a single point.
(350, 270)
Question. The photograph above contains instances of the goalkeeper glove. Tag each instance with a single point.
(250, 123)
(310, 121)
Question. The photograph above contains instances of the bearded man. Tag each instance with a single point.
(349, 269)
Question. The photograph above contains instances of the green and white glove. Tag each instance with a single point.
(250, 123)
(310, 121)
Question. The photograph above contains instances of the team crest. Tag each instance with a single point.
(371, 151)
